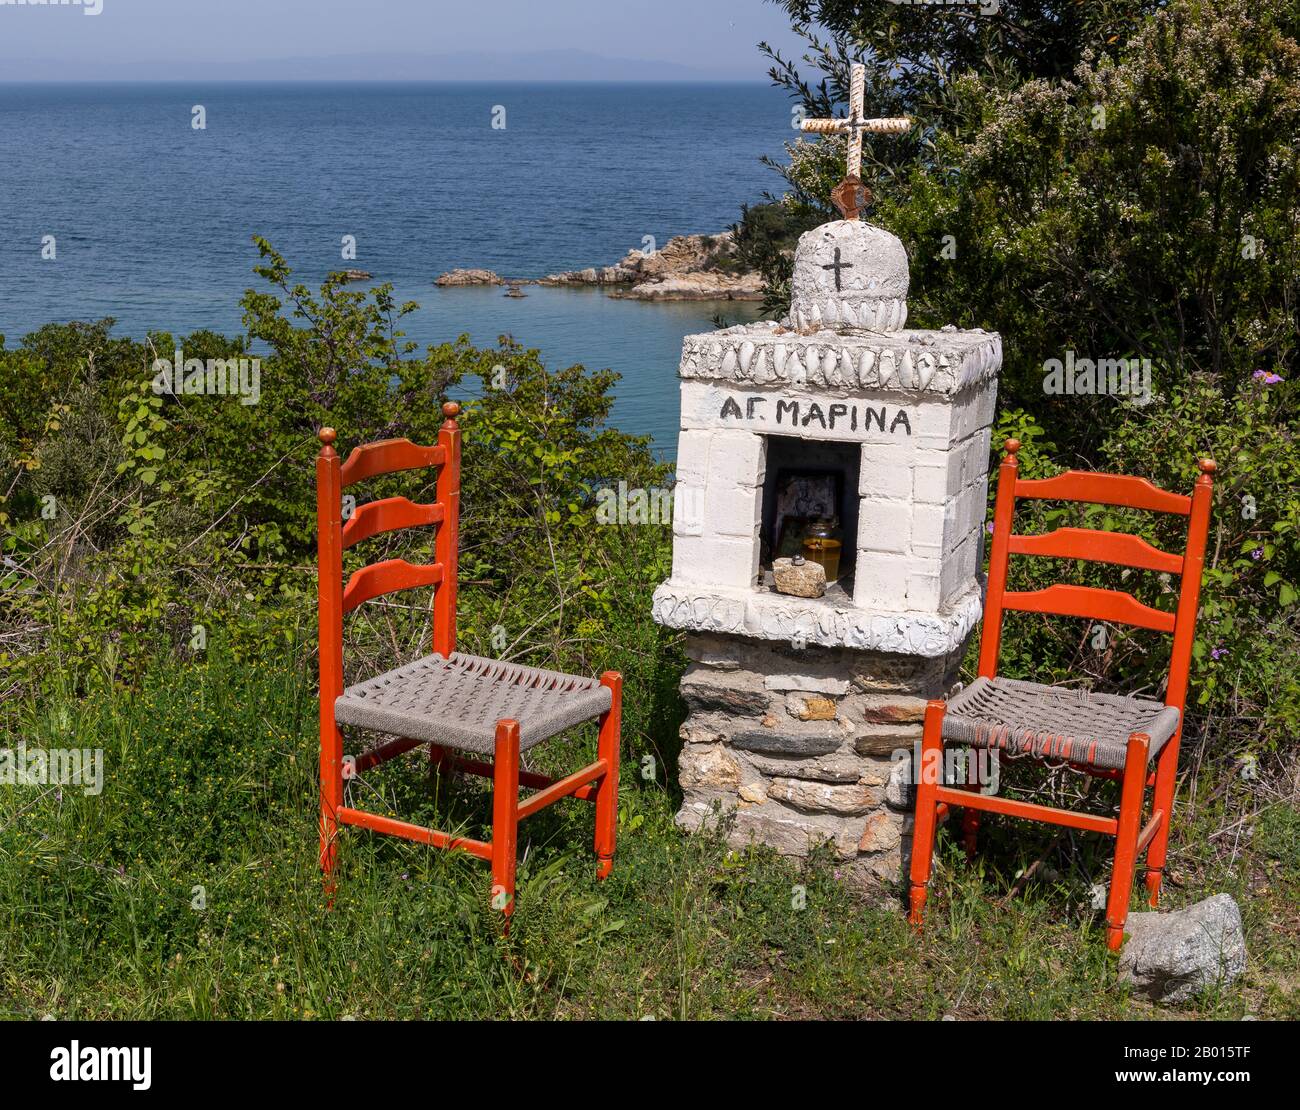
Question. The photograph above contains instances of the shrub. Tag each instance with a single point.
(1119, 180)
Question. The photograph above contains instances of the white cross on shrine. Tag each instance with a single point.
(856, 123)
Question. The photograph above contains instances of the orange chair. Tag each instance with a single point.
(1103, 735)
(450, 701)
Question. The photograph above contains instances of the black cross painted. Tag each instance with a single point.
(837, 266)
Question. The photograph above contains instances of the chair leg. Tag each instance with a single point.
(928, 776)
(331, 796)
(970, 828)
(1166, 778)
(608, 749)
(505, 816)
(437, 758)
(970, 818)
(1132, 789)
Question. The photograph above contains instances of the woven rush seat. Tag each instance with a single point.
(1051, 722)
(457, 700)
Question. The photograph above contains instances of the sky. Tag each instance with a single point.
(166, 39)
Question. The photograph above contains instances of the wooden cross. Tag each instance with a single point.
(850, 195)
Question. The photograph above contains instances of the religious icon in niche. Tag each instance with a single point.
(803, 497)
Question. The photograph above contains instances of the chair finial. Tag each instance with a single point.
(327, 436)
(450, 410)
(1012, 446)
(1208, 466)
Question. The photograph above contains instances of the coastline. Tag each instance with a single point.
(696, 267)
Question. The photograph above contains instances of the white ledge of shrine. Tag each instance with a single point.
(766, 615)
(942, 362)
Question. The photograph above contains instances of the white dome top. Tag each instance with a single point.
(849, 276)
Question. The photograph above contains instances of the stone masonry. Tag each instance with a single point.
(801, 747)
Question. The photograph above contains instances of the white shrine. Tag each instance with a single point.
(842, 438)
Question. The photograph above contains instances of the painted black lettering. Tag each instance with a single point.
(814, 413)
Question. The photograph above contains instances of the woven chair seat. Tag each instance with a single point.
(1050, 722)
(457, 701)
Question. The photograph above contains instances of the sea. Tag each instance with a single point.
(152, 217)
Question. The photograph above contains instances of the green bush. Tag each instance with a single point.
(765, 238)
(133, 520)
(1120, 180)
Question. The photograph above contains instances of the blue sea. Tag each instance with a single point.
(152, 218)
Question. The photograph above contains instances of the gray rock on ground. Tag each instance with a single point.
(1170, 957)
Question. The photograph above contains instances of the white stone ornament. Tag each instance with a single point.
(851, 272)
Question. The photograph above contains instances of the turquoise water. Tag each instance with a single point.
(152, 218)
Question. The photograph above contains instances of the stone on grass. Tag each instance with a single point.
(1170, 957)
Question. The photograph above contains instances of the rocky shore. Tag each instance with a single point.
(687, 268)
(468, 277)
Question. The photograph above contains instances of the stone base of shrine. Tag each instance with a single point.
(798, 748)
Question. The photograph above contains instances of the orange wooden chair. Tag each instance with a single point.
(1103, 735)
(452, 702)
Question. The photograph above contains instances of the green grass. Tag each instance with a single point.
(211, 782)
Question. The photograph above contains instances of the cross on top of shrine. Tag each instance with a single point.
(851, 196)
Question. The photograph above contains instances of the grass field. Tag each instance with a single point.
(210, 784)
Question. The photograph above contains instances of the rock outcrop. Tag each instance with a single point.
(699, 286)
(469, 277)
(687, 268)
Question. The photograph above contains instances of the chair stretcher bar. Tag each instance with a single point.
(1049, 814)
(581, 789)
(562, 788)
(420, 835)
(526, 778)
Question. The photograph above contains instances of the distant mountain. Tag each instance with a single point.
(543, 65)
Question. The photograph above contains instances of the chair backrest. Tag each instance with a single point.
(334, 536)
(1089, 544)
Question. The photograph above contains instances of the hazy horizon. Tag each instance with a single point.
(389, 40)
(579, 67)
